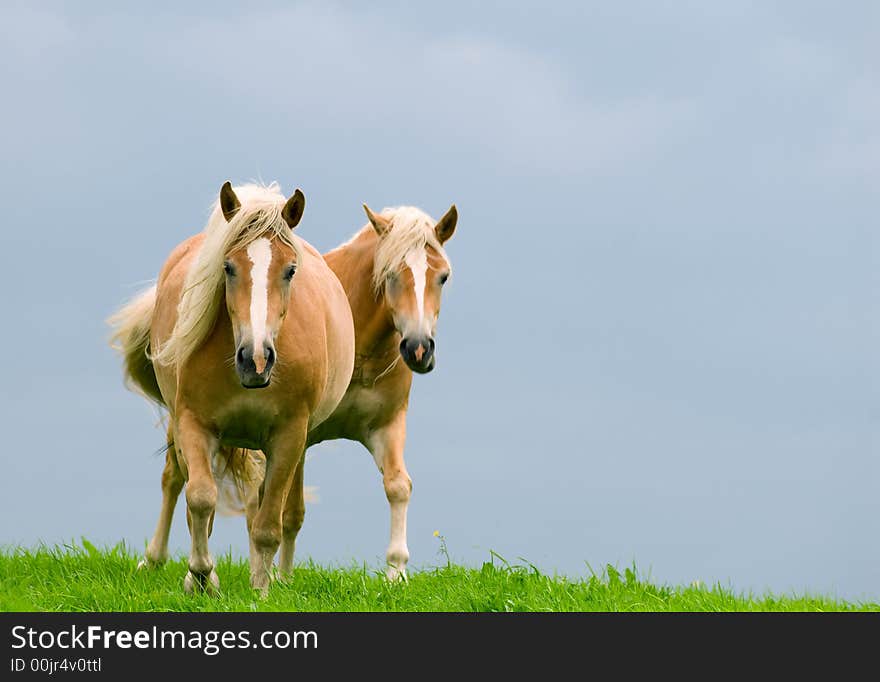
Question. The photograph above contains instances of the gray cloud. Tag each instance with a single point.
(658, 344)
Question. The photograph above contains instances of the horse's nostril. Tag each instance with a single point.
(239, 356)
(270, 356)
(430, 345)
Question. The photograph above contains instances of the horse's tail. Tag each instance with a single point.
(239, 473)
(131, 337)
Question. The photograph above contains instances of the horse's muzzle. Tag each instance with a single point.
(418, 353)
(246, 366)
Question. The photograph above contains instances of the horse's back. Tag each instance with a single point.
(169, 287)
(170, 282)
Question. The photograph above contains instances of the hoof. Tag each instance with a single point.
(261, 588)
(147, 564)
(199, 582)
(261, 582)
(394, 574)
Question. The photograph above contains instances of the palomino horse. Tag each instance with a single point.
(393, 271)
(286, 326)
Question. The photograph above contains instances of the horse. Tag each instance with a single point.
(393, 271)
(247, 339)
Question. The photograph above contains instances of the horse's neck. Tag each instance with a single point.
(375, 335)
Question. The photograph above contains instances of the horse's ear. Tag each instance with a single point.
(446, 225)
(229, 203)
(379, 222)
(294, 208)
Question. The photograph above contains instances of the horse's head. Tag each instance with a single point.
(413, 285)
(258, 282)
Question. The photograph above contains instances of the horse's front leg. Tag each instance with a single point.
(197, 446)
(172, 483)
(283, 455)
(386, 445)
(292, 520)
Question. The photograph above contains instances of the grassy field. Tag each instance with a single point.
(85, 578)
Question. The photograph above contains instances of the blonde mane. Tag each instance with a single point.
(411, 229)
(260, 212)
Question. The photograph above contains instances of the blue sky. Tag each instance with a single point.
(659, 342)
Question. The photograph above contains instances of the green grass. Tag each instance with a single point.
(85, 578)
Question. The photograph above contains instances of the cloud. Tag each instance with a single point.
(325, 68)
(853, 147)
(29, 33)
(352, 76)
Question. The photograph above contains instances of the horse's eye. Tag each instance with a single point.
(290, 272)
(227, 268)
(443, 278)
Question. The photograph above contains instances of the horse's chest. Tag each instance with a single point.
(245, 426)
(364, 404)
(358, 412)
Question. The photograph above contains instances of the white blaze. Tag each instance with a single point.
(260, 253)
(418, 264)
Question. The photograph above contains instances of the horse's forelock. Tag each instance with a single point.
(411, 229)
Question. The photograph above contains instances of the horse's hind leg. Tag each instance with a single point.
(172, 483)
(197, 447)
(292, 521)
